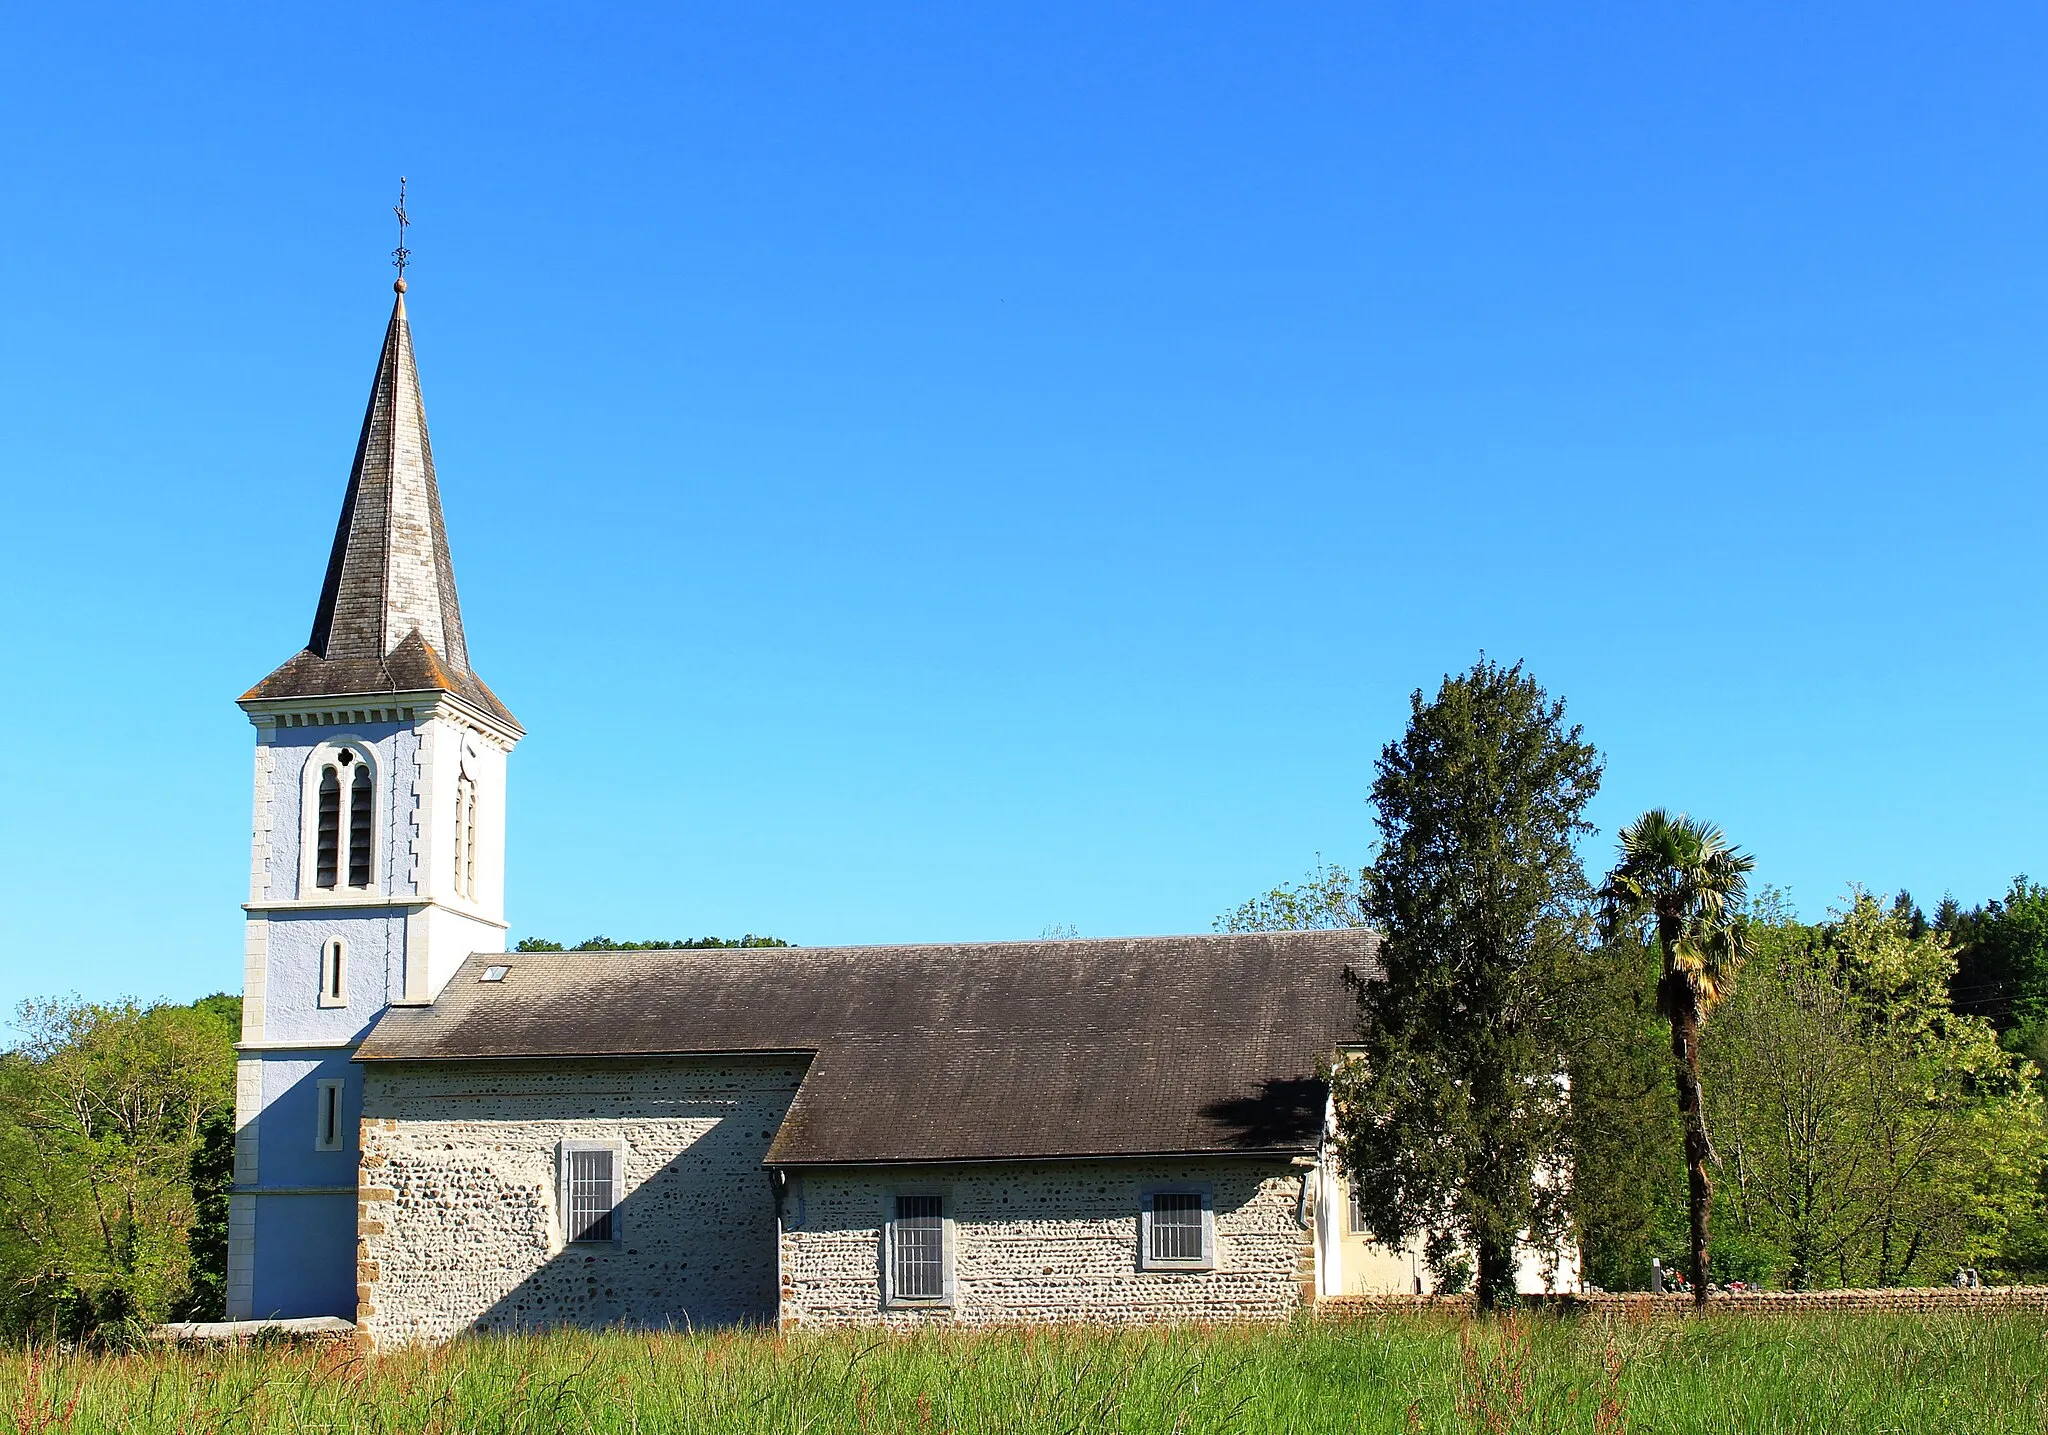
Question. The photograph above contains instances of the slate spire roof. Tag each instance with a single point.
(388, 620)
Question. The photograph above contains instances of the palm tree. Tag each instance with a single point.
(1680, 880)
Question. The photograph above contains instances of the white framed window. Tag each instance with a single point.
(1177, 1229)
(333, 972)
(330, 1130)
(340, 819)
(917, 1249)
(591, 1182)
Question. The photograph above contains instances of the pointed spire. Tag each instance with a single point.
(388, 619)
(389, 575)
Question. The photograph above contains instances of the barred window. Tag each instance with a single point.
(361, 838)
(917, 1249)
(1177, 1226)
(327, 830)
(589, 1180)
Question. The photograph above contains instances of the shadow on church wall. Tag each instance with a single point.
(696, 1247)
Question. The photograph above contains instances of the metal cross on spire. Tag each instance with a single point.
(401, 256)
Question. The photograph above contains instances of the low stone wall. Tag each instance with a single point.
(1639, 1305)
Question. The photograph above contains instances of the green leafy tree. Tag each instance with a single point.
(1628, 1163)
(1330, 896)
(1682, 884)
(1875, 1135)
(103, 1109)
(2002, 962)
(1452, 1117)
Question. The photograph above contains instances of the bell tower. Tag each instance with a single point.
(377, 859)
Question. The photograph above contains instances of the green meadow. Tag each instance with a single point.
(1831, 1373)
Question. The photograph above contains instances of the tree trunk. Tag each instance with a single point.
(1684, 1007)
(1494, 1283)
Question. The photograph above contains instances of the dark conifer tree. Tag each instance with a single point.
(1452, 1116)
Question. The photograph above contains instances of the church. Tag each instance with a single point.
(436, 1136)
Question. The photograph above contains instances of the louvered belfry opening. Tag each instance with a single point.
(465, 836)
(360, 834)
(919, 1248)
(327, 829)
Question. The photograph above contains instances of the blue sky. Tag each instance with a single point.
(936, 472)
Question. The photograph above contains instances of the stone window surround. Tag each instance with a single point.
(362, 750)
(563, 1150)
(1207, 1261)
(330, 1094)
(949, 1292)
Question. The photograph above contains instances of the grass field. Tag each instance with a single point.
(1406, 1373)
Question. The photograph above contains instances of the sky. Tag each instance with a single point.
(944, 472)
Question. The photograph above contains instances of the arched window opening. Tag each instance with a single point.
(327, 835)
(360, 832)
(343, 802)
(333, 973)
(465, 835)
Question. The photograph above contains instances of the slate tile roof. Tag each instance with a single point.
(388, 620)
(1003, 1050)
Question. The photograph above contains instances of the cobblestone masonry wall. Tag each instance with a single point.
(457, 1222)
(1640, 1305)
(1050, 1241)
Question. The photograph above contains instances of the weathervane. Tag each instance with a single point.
(401, 255)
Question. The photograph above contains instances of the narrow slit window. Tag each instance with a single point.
(327, 829)
(360, 828)
(333, 973)
(1177, 1227)
(328, 1130)
(590, 1194)
(918, 1248)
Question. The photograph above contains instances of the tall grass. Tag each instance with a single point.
(1395, 1373)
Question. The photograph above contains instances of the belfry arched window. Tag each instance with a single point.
(465, 835)
(344, 803)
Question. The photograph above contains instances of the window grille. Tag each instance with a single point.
(1177, 1226)
(360, 839)
(590, 1195)
(327, 830)
(918, 1249)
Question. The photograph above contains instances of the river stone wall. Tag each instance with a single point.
(458, 1223)
(1049, 1241)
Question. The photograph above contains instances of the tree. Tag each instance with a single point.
(1452, 1116)
(1627, 1162)
(2002, 961)
(103, 1110)
(602, 943)
(1330, 896)
(1876, 1136)
(1681, 881)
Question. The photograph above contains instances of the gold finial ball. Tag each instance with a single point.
(399, 287)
